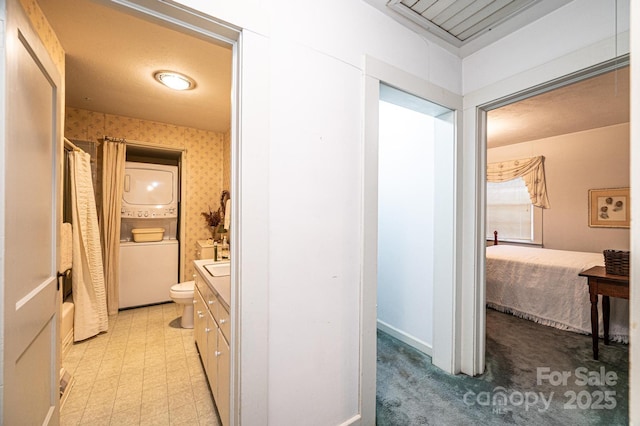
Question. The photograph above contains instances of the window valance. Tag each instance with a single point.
(531, 170)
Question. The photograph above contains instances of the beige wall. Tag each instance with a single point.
(204, 164)
(575, 163)
(46, 33)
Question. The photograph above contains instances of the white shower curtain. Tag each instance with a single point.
(113, 162)
(90, 305)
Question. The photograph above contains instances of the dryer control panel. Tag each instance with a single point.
(167, 211)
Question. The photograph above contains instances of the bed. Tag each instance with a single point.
(543, 285)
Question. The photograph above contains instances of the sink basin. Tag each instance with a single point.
(218, 269)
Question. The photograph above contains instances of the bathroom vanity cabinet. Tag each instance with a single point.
(212, 333)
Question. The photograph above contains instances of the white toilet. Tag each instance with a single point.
(182, 294)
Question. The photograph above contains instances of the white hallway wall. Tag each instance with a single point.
(564, 33)
(302, 147)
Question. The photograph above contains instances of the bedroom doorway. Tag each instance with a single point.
(585, 146)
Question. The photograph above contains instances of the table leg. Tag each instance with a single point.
(605, 318)
(594, 321)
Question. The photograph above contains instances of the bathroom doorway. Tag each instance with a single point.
(183, 31)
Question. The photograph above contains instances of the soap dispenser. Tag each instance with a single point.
(225, 248)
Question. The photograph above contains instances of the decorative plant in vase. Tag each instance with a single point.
(214, 220)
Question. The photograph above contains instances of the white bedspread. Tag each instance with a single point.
(543, 285)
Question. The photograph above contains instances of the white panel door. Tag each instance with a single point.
(32, 142)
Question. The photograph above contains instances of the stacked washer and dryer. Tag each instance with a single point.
(149, 248)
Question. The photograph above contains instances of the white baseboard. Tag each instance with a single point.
(406, 338)
(352, 421)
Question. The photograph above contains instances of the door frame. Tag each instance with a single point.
(446, 336)
(634, 335)
(179, 17)
(552, 75)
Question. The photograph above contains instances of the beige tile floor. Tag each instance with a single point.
(144, 371)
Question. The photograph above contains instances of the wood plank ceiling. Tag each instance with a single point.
(457, 21)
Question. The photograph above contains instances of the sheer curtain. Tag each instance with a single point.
(90, 310)
(531, 170)
(113, 162)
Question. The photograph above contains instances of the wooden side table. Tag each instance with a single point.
(608, 286)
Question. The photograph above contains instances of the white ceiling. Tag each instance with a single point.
(588, 104)
(111, 58)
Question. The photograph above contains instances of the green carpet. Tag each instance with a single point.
(535, 375)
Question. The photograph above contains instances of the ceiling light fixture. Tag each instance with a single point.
(175, 80)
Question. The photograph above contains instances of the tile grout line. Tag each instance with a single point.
(161, 344)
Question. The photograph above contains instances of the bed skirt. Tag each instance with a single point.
(549, 323)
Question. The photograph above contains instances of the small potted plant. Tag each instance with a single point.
(214, 221)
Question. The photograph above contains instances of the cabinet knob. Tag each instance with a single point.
(207, 329)
(211, 302)
(222, 321)
(218, 353)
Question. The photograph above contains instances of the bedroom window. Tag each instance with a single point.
(510, 212)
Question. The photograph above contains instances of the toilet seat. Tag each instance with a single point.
(185, 286)
(182, 290)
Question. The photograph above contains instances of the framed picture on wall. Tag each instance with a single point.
(609, 208)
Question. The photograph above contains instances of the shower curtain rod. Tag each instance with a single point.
(110, 139)
(71, 146)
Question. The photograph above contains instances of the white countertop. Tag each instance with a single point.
(220, 285)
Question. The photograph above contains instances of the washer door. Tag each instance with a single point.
(147, 272)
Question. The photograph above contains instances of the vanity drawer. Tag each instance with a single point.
(201, 285)
(212, 304)
(199, 322)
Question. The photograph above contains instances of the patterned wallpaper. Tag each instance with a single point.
(205, 165)
(46, 34)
